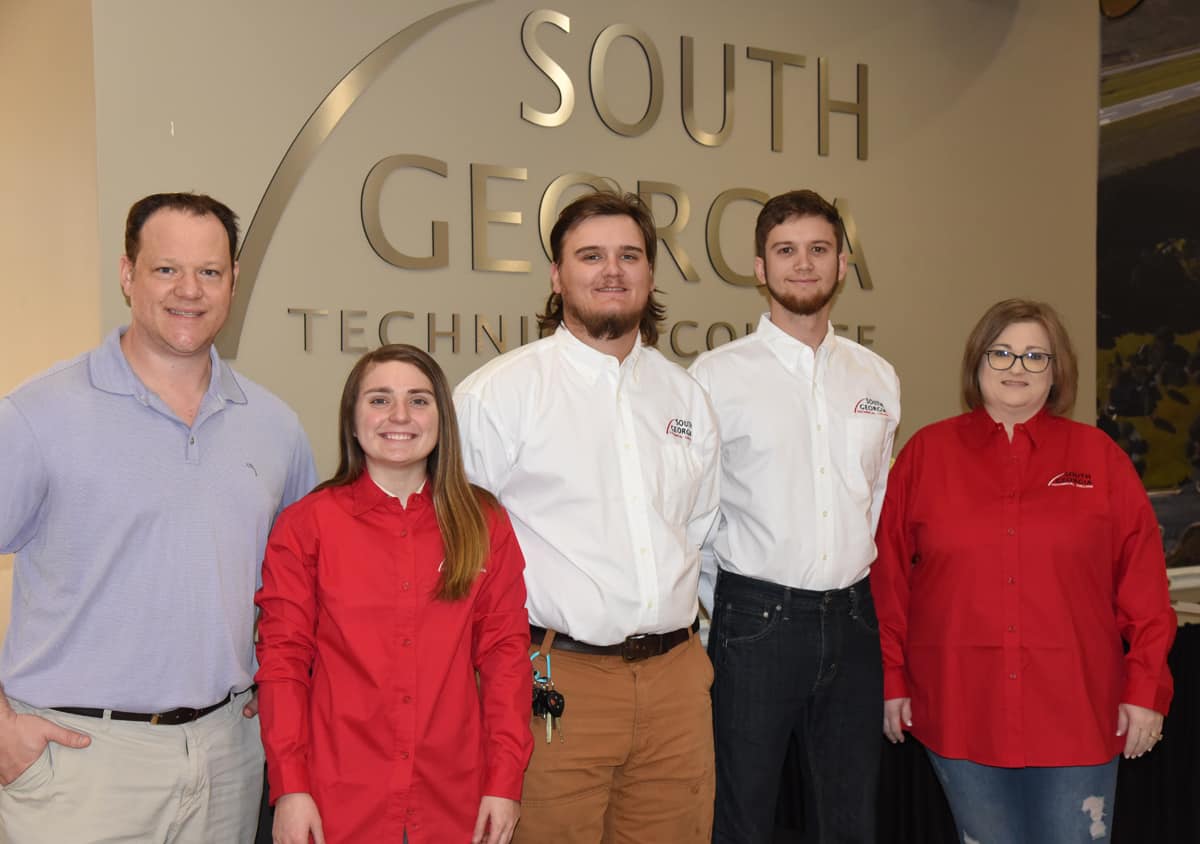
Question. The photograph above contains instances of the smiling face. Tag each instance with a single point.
(1014, 396)
(604, 278)
(179, 286)
(395, 421)
(801, 266)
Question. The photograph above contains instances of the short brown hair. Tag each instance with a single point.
(456, 502)
(797, 203)
(604, 203)
(1064, 368)
(198, 204)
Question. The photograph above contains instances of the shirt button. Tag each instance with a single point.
(408, 699)
(824, 556)
(404, 753)
(407, 643)
(1011, 531)
(819, 428)
(1012, 580)
(1012, 676)
(405, 532)
(404, 586)
(191, 440)
(821, 470)
(824, 514)
(1012, 628)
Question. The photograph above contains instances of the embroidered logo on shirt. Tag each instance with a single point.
(681, 428)
(872, 407)
(482, 570)
(1083, 480)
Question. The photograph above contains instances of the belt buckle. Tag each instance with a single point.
(174, 717)
(640, 647)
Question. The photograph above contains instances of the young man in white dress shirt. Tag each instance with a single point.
(807, 421)
(605, 455)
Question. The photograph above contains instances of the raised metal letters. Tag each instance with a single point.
(599, 90)
(373, 225)
(553, 70)
(688, 96)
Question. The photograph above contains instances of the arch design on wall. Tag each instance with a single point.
(300, 155)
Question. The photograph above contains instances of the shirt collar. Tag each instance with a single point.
(592, 363)
(792, 353)
(110, 371)
(367, 495)
(981, 426)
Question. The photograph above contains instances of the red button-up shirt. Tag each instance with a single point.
(367, 686)
(1008, 575)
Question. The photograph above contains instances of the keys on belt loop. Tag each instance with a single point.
(548, 703)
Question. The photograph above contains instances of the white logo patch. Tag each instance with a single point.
(871, 407)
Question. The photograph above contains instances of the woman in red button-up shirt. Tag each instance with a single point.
(1017, 549)
(394, 680)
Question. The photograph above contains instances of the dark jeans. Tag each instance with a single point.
(791, 661)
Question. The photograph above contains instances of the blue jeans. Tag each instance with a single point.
(1029, 805)
(795, 662)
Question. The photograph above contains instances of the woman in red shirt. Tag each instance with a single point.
(393, 641)
(1017, 550)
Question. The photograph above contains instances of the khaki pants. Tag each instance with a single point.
(199, 782)
(634, 764)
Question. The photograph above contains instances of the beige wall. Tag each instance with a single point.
(981, 179)
(48, 220)
(980, 182)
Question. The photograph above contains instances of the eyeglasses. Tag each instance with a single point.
(1003, 360)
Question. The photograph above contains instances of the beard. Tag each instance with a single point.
(803, 306)
(604, 326)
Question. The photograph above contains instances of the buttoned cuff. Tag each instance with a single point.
(1148, 693)
(287, 777)
(895, 683)
(504, 781)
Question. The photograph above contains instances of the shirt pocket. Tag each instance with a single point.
(865, 435)
(676, 483)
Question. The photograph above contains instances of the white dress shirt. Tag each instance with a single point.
(806, 443)
(609, 473)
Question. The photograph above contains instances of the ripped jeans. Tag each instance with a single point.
(1029, 805)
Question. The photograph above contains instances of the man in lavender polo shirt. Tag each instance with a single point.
(138, 484)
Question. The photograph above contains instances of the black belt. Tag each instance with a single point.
(172, 717)
(634, 648)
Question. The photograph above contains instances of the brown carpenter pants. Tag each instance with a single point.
(634, 761)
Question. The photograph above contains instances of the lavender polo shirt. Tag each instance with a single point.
(138, 540)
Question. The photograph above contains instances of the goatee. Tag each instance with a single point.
(604, 326)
